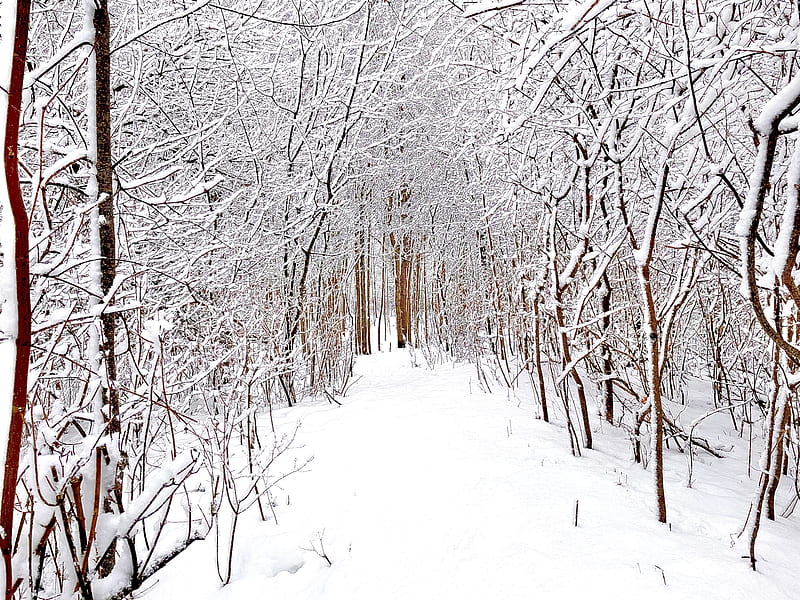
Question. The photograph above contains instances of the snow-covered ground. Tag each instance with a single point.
(423, 487)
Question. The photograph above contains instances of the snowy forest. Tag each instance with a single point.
(400, 299)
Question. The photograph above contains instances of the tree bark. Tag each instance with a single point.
(22, 342)
(105, 195)
(403, 263)
(537, 357)
(605, 351)
(362, 321)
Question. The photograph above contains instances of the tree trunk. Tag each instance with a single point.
(402, 293)
(776, 464)
(104, 228)
(605, 351)
(362, 320)
(537, 357)
(654, 383)
(107, 220)
(14, 228)
(563, 339)
(403, 263)
(778, 400)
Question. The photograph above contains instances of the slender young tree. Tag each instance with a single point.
(15, 313)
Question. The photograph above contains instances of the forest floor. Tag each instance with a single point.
(424, 487)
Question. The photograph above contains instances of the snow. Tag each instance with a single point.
(585, 11)
(746, 226)
(200, 188)
(172, 17)
(778, 107)
(81, 39)
(489, 6)
(424, 487)
(783, 243)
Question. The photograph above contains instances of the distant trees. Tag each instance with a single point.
(402, 257)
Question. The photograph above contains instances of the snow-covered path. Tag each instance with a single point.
(422, 487)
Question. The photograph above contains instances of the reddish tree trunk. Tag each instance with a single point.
(23, 301)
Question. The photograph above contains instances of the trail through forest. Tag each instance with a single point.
(423, 486)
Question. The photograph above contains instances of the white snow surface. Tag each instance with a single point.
(424, 487)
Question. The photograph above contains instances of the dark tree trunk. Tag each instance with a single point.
(537, 357)
(605, 351)
(105, 196)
